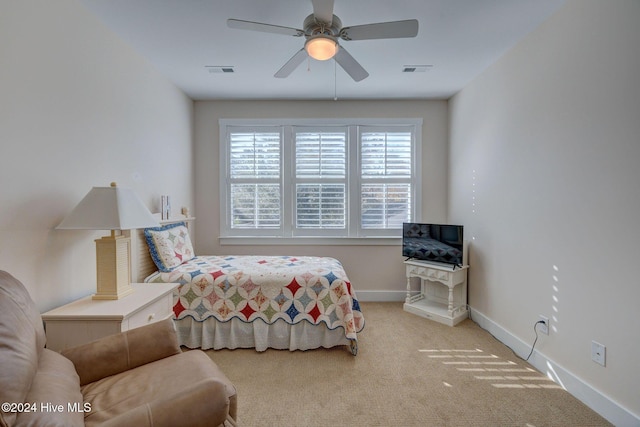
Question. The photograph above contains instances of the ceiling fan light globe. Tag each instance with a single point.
(321, 47)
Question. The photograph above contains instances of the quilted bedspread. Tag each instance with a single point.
(269, 288)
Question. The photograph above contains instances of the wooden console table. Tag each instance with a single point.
(443, 292)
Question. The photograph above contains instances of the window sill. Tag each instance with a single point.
(306, 241)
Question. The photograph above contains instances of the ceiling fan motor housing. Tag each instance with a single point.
(314, 27)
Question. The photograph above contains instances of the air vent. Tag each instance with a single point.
(416, 68)
(219, 68)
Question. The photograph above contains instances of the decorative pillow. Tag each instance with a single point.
(170, 245)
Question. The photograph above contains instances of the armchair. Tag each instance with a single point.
(136, 378)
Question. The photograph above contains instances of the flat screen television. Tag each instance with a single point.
(436, 243)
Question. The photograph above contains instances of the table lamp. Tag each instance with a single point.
(111, 208)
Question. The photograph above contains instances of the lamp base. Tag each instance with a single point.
(108, 296)
(113, 267)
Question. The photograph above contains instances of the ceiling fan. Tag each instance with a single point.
(322, 29)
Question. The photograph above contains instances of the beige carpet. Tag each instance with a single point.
(409, 371)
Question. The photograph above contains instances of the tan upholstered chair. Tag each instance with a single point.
(136, 378)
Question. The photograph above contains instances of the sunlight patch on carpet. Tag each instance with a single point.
(501, 373)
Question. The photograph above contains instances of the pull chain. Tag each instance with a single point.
(335, 83)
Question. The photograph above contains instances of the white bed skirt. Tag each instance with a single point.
(238, 334)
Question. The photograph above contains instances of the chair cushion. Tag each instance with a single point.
(123, 351)
(55, 390)
(22, 341)
(157, 381)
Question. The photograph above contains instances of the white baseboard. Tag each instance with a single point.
(381, 296)
(607, 408)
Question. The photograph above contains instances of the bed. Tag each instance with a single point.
(250, 301)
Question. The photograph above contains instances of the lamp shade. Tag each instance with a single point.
(321, 47)
(109, 208)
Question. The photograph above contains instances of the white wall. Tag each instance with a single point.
(544, 174)
(385, 282)
(78, 108)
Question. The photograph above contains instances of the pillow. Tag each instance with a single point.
(169, 245)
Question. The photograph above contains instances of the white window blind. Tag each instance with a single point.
(321, 154)
(255, 155)
(385, 206)
(320, 206)
(386, 154)
(299, 178)
(255, 206)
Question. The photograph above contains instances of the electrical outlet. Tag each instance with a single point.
(544, 327)
(598, 353)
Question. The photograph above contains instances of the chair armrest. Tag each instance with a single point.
(120, 352)
(204, 403)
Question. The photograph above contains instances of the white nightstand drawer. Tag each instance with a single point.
(154, 312)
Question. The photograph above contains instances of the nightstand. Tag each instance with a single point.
(86, 319)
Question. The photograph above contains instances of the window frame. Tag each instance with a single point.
(354, 234)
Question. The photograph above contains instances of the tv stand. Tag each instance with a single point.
(443, 292)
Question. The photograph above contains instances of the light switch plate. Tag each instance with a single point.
(598, 353)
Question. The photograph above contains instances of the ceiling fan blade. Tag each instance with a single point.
(350, 65)
(291, 64)
(323, 11)
(381, 30)
(265, 28)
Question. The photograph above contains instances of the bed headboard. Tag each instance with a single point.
(141, 263)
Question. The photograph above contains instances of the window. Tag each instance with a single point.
(255, 179)
(320, 180)
(297, 179)
(386, 170)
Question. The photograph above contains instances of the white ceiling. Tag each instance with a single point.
(459, 38)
